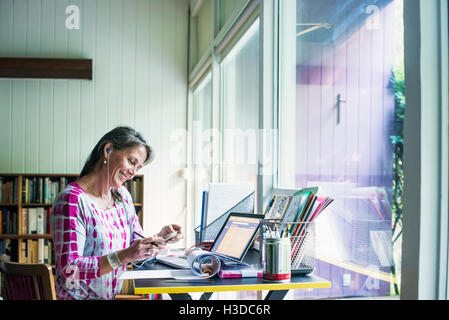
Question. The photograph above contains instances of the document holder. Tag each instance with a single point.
(210, 231)
(303, 242)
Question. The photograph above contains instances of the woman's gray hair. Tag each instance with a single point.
(121, 138)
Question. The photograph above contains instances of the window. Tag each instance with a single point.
(225, 115)
(240, 108)
(228, 10)
(201, 32)
(347, 56)
(202, 157)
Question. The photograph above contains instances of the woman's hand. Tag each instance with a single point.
(141, 249)
(170, 229)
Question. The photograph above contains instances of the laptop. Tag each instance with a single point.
(231, 243)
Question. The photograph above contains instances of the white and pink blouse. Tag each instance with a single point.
(82, 233)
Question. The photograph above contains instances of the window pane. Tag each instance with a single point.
(202, 124)
(204, 27)
(227, 9)
(240, 108)
(346, 54)
(240, 105)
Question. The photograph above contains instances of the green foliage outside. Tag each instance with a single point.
(397, 140)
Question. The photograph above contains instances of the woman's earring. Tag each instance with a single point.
(105, 162)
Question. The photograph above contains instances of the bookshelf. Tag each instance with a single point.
(25, 206)
(49, 68)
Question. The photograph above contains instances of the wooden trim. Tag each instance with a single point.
(26, 204)
(46, 68)
(26, 236)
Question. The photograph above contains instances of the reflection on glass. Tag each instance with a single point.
(228, 9)
(346, 54)
(202, 146)
(240, 108)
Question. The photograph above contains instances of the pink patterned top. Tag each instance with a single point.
(82, 233)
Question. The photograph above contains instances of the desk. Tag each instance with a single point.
(277, 290)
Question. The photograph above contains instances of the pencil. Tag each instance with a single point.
(153, 243)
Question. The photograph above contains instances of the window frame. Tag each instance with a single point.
(226, 38)
(425, 266)
(425, 259)
(425, 226)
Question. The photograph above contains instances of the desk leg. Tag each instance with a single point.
(206, 296)
(276, 294)
(186, 296)
(180, 296)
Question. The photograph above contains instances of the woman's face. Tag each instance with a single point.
(124, 164)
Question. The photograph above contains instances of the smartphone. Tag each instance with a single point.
(170, 236)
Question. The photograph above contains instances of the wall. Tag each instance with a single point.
(139, 52)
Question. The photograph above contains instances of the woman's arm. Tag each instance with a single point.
(69, 237)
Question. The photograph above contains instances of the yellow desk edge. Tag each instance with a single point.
(381, 275)
(249, 287)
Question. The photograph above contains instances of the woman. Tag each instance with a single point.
(95, 229)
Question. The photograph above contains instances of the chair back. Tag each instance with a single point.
(28, 281)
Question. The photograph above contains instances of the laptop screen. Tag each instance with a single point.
(237, 235)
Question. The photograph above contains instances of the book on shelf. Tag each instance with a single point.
(40, 220)
(8, 190)
(9, 223)
(32, 220)
(36, 220)
(24, 217)
(42, 189)
(135, 188)
(37, 251)
(25, 207)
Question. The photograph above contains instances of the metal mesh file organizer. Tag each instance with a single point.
(210, 231)
(302, 240)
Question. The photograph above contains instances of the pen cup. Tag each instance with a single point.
(276, 259)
